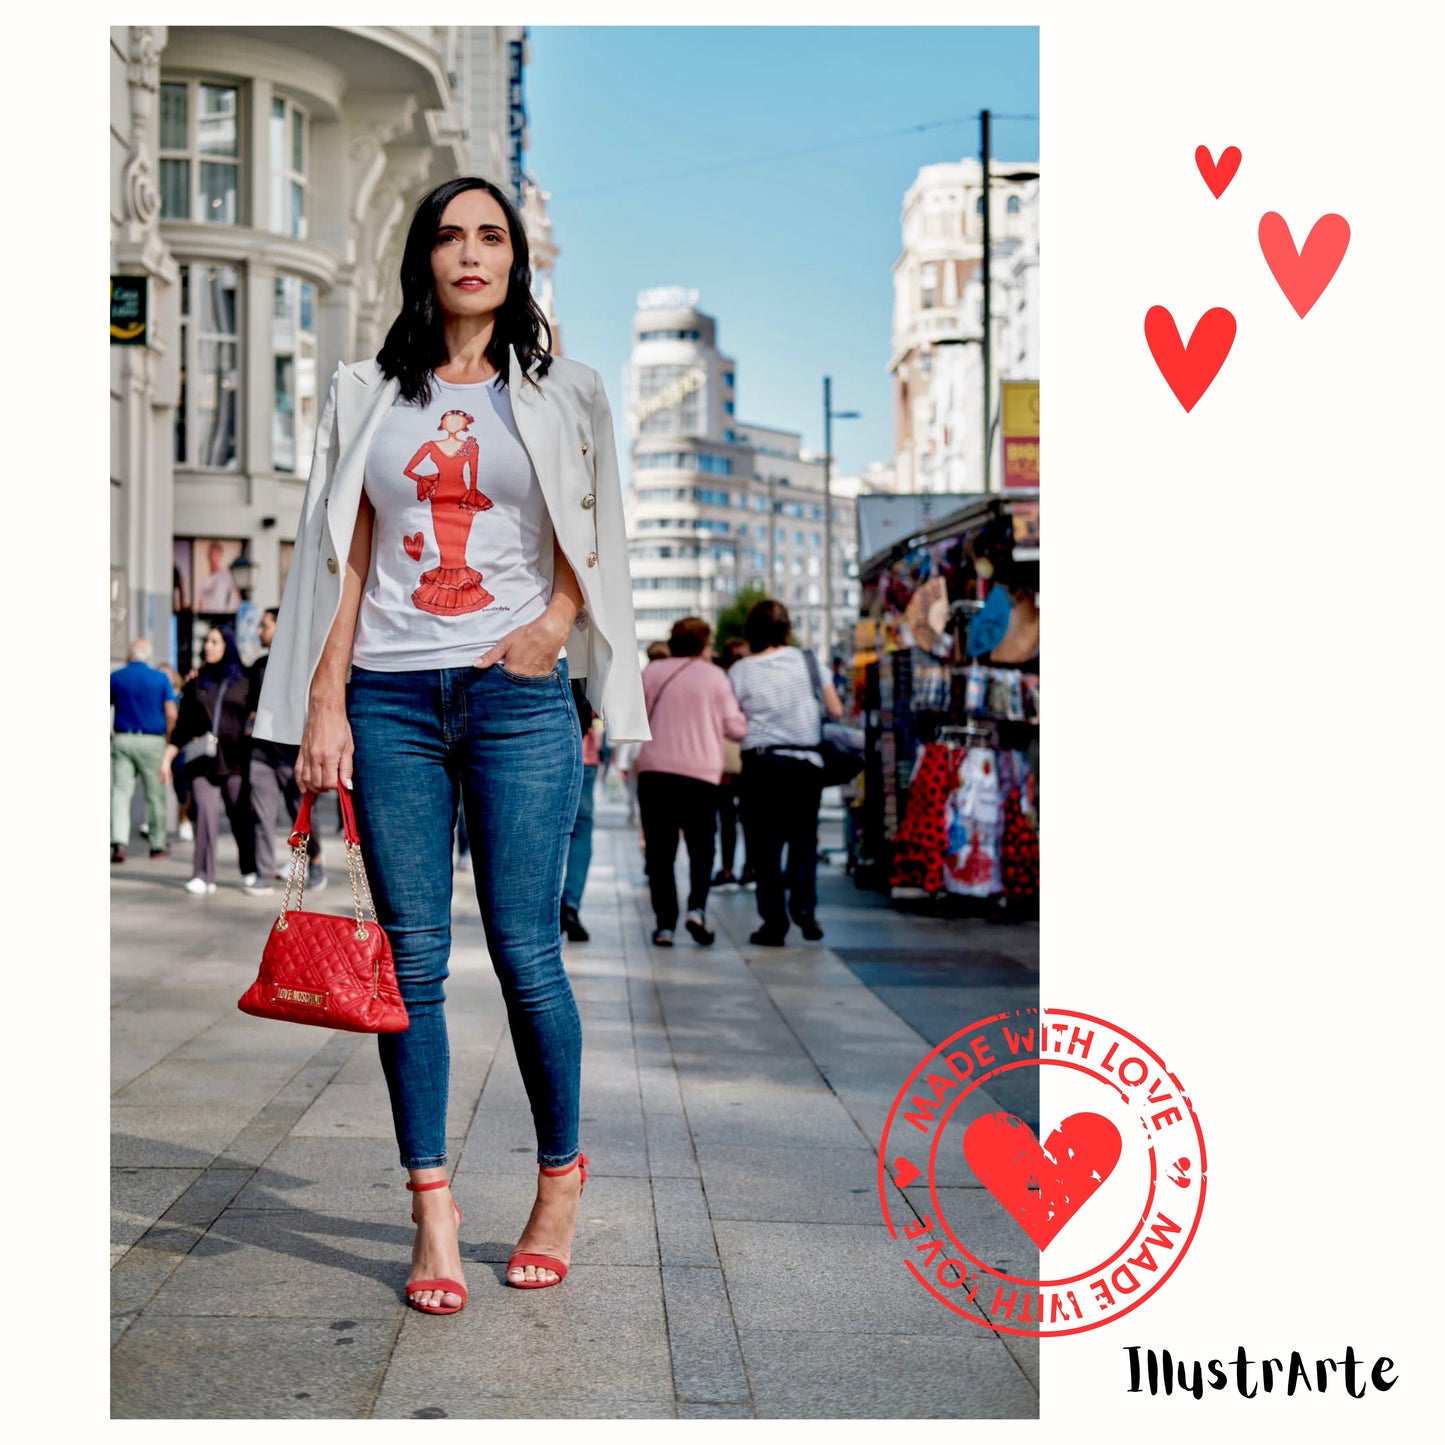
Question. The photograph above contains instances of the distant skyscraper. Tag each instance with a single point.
(716, 504)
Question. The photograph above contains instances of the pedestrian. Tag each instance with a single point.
(781, 771)
(451, 607)
(691, 710)
(184, 829)
(145, 705)
(271, 772)
(216, 703)
(579, 847)
(727, 805)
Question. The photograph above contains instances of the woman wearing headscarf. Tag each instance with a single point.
(216, 700)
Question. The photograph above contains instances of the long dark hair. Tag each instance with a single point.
(230, 667)
(416, 344)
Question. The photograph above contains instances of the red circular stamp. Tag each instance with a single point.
(1047, 1236)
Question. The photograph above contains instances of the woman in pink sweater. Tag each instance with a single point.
(691, 709)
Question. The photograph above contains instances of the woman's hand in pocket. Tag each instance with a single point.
(530, 650)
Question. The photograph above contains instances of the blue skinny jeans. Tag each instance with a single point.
(508, 745)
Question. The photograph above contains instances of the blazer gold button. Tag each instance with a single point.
(592, 559)
(590, 500)
(584, 449)
(331, 564)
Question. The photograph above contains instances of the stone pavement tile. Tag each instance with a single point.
(769, 1116)
(340, 1176)
(174, 1135)
(255, 1142)
(255, 1081)
(239, 1037)
(707, 1367)
(130, 1058)
(658, 1087)
(614, 1220)
(684, 1231)
(138, 1197)
(145, 1267)
(1025, 1351)
(669, 1146)
(967, 1375)
(700, 1059)
(290, 1265)
(738, 1411)
(487, 1407)
(348, 1111)
(159, 1024)
(259, 1369)
(843, 1277)
(204, 1201)
(599, 1338)
(800, 1185)
(982, 1226)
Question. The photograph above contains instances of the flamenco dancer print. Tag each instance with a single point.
(452, 588)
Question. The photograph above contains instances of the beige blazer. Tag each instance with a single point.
(566, 426)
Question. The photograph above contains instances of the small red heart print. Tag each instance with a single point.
(904, 1172)
(1218, 174)
(1042, 1187)
(1304, 274)
(413, 546)
(1190, 369)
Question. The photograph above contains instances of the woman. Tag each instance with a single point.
(470, 701)
(691, 709)
(780, 787)
(216, 700)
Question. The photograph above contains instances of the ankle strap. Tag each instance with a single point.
(422, 1188)
(566, 1168)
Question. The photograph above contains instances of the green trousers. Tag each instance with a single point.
(132, 753)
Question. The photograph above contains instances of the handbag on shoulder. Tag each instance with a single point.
(321, 968)
(208, 744)
(840, 747)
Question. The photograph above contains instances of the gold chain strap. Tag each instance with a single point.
(295, 878)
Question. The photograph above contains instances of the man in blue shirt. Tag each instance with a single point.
(145, 705)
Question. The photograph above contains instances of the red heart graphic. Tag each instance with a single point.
(1304, 274)
(413, 546)
(1218, 174)
(1043, 1188)
(1189, 370)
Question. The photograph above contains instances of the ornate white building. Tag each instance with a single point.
(262, 179)
(937, 359)
(716, 504)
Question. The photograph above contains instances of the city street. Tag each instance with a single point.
(731, 1260)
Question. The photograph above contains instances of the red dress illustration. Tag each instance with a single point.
(452, 588)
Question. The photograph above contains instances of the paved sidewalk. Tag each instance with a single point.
(731, 1260)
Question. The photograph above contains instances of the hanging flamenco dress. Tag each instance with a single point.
(451, 588)
(922, 840)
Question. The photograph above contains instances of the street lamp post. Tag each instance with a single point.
(829, 417)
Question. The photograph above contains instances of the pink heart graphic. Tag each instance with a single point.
(1218, 174)
(1042, 1187)
(1190, 369)
(1304, 274)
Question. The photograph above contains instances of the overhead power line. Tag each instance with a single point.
(779, 155)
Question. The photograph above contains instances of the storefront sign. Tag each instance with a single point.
(128, 310)
(1020, 434)
(516, 115)
(669, 395)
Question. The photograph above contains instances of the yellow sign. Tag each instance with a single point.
(1020, 403)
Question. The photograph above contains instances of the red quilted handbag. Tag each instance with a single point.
(319, 968)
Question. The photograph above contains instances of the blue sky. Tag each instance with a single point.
(793, 256)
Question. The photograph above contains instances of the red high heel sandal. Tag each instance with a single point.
(546, 1261)
(451, 1286)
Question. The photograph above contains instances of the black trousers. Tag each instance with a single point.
(780, 799)
(727, 812)
(671, 803)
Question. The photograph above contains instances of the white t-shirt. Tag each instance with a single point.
(776, 695)
(461, 552)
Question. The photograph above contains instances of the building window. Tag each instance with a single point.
(929, 278)
(727, 378)
(200, 152)
(288, 168)
(293, 337)
(207, 413)
(978, 204)
(1013, 205)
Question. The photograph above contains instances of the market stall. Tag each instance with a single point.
(946, 671)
